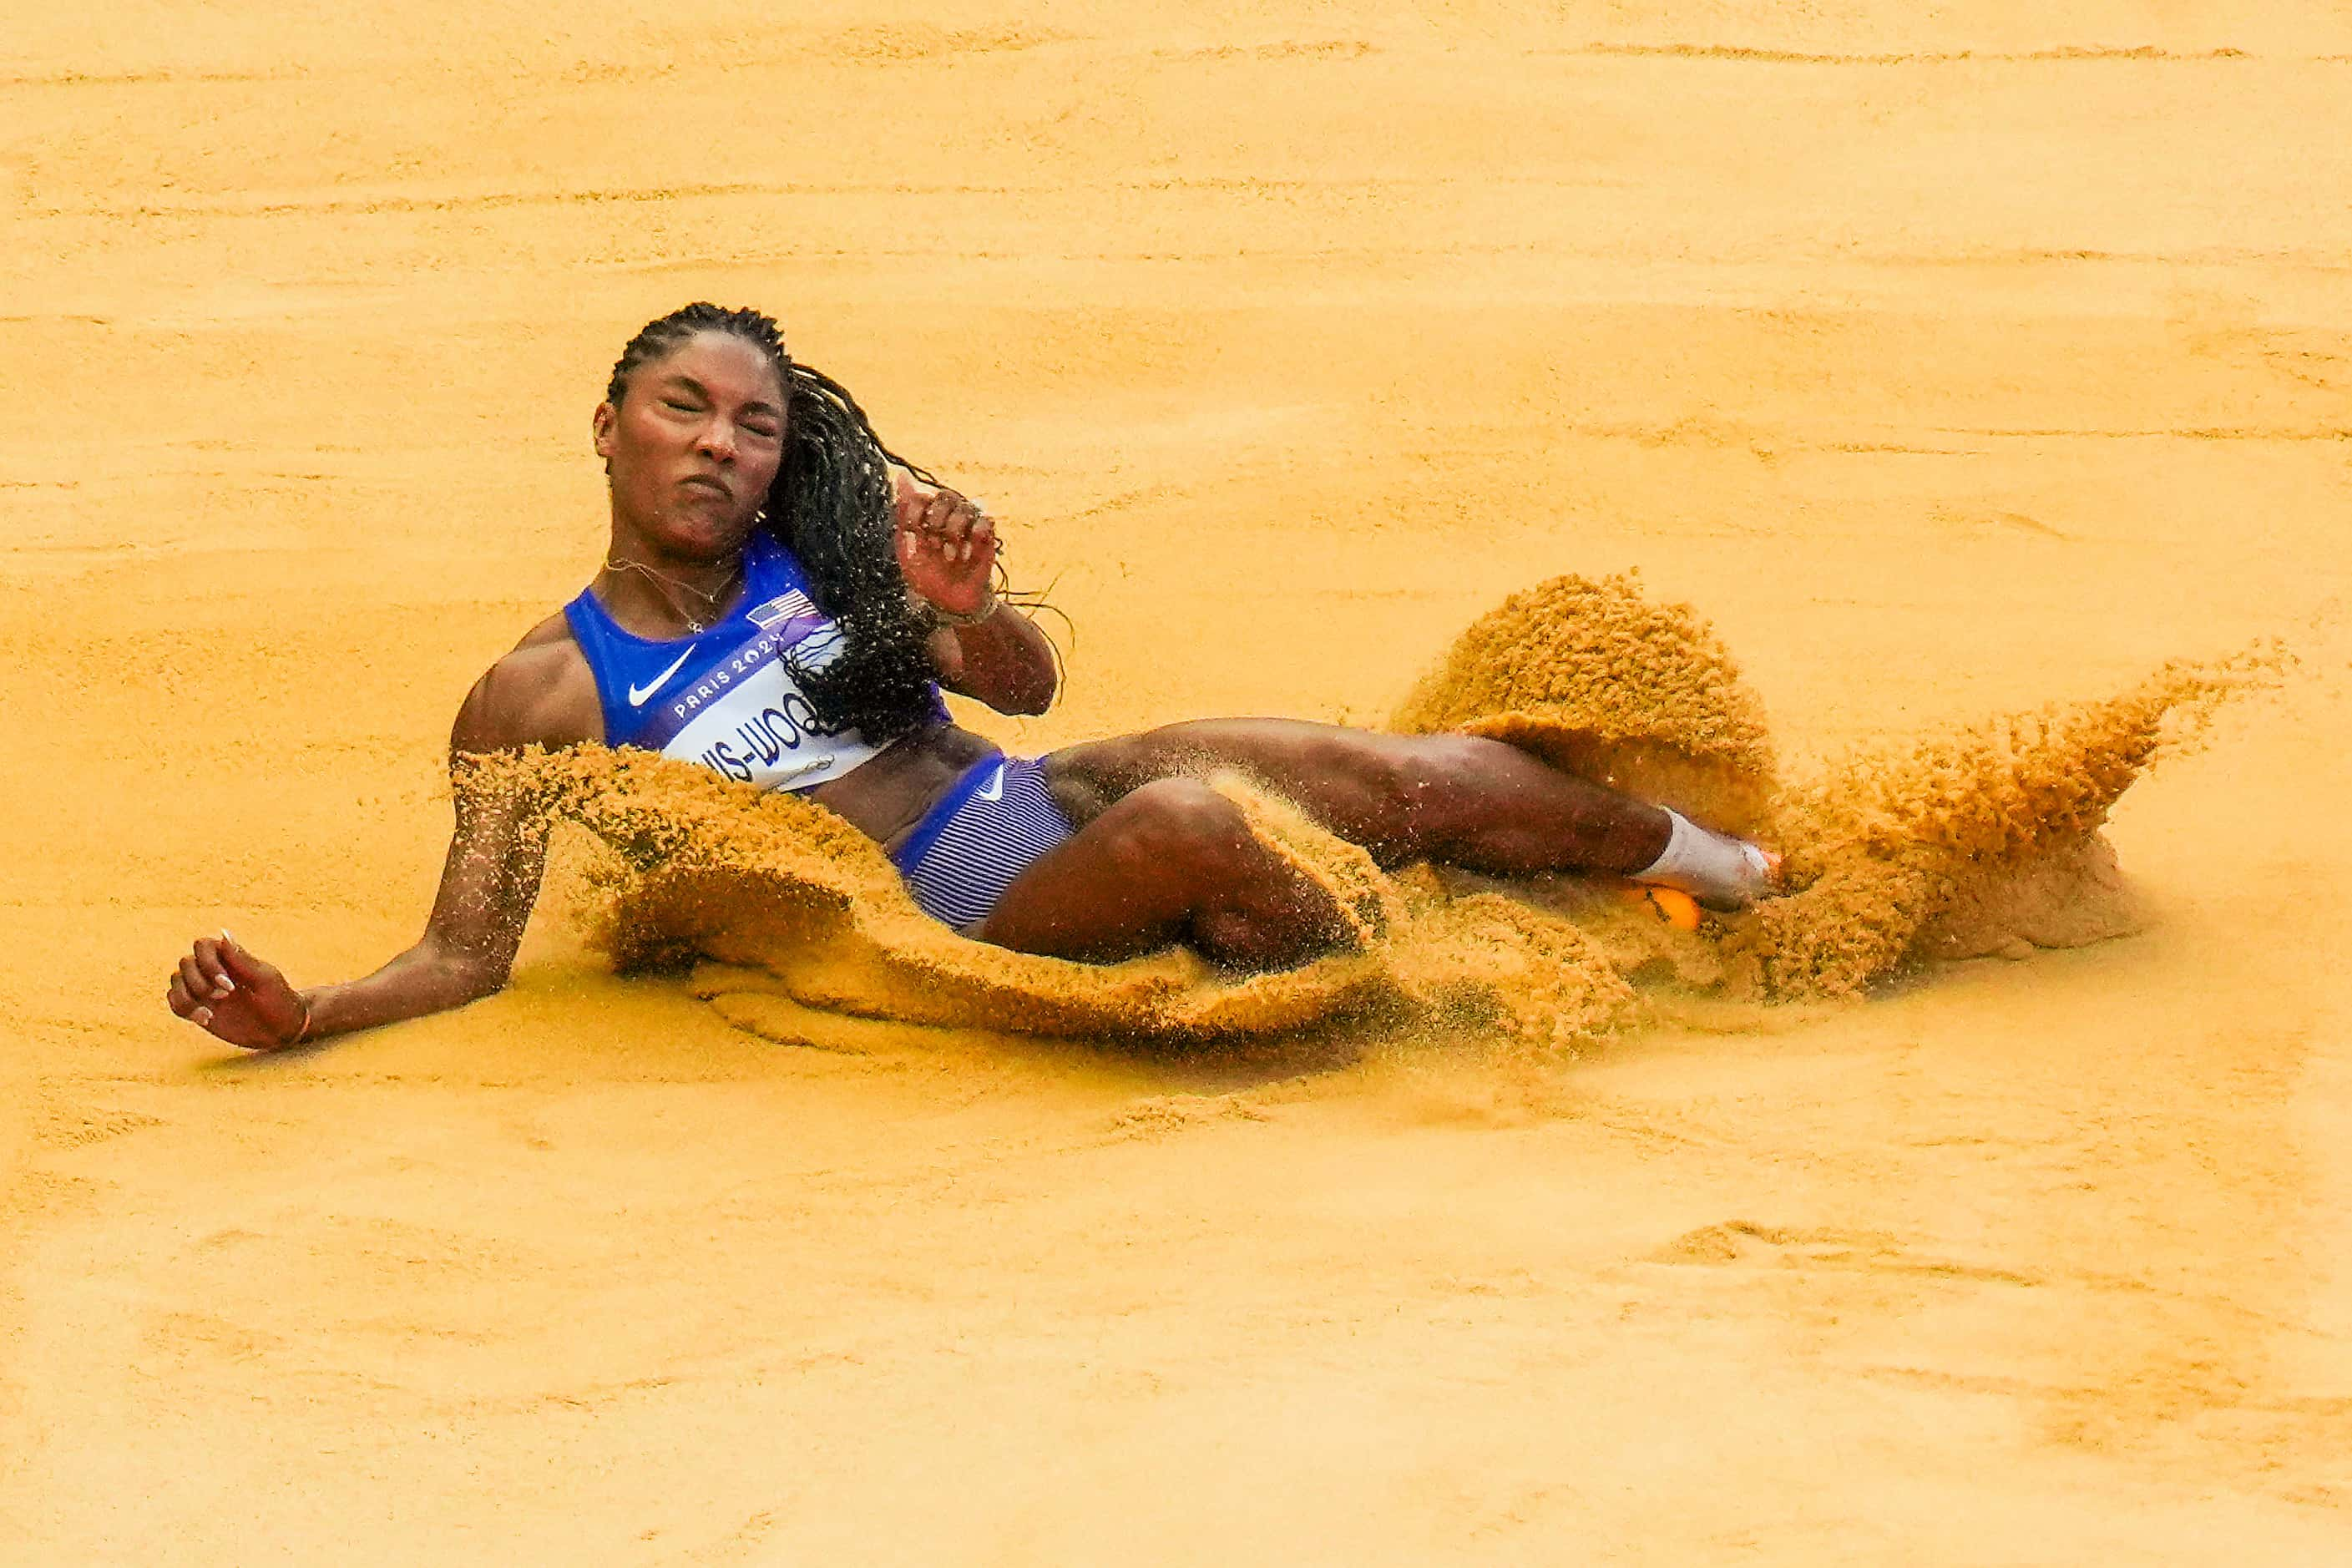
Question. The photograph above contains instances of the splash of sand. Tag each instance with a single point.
(1604, 682)
(1982, 839)
(1970, 841)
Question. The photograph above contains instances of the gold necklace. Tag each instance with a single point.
(663, 580)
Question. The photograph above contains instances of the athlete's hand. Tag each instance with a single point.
(239, 998)
(947, 546)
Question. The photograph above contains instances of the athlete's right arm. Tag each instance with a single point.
(488, 883)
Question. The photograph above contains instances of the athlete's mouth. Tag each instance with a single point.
(704, 481)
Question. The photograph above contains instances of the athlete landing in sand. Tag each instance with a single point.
(782, 601)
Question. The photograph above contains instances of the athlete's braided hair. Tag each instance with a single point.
(831, 506)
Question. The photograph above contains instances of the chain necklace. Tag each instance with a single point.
(664, 582)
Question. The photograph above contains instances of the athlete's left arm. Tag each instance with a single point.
(985, 649)
(1004, 661)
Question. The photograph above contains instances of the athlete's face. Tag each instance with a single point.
(694, 444)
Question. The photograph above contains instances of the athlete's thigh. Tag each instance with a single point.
(1386, 793)
(1357, 783)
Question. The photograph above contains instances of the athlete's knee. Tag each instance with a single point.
(1248, 910)
(1181, 823)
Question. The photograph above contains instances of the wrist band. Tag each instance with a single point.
(987, 607)
(302, 1030)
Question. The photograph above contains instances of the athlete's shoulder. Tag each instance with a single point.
(541, 693)
(555, 629)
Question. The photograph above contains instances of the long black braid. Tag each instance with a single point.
(831, 505)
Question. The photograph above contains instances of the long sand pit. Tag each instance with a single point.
(1983, 379)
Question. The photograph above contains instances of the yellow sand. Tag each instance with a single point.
(1954, 364)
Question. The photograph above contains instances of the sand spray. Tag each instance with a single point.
(1975, 839)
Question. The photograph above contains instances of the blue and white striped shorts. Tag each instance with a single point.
(993, 822)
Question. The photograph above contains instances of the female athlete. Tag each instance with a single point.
(783, 600)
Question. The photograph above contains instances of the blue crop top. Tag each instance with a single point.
(723, 698)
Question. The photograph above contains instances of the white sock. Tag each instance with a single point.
(1713, 868)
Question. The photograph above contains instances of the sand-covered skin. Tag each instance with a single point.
(1953, 363)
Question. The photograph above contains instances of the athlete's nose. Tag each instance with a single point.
(718, 441)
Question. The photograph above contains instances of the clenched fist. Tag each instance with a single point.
(239, 998)
(947, 547)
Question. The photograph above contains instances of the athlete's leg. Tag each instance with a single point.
(1457, 799)
(1170, 860)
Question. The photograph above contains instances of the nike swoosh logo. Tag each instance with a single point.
(637, 694)
(994, 790)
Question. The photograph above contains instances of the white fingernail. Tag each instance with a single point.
(223, 986)
(224, 936)
(202, 1018)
